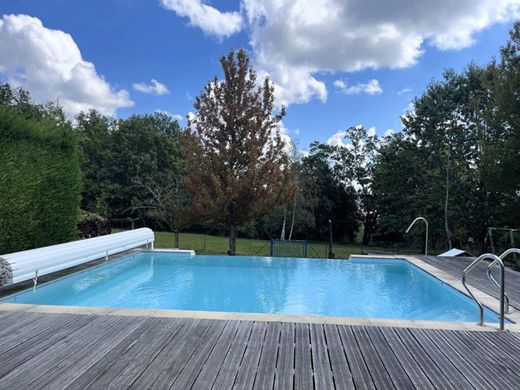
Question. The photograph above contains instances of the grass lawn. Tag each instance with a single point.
(216, 245)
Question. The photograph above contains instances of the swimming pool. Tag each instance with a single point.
(369, 288)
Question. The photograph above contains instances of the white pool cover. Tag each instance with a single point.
(21, 266)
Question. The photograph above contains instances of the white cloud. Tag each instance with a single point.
(294, 85)
(372, 87)
(296, 40)
(207, 18)
(404, 91)
(371, 132)
(49, 64)
(337, 139)
(154, 88)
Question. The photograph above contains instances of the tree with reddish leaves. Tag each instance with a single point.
(238, 167)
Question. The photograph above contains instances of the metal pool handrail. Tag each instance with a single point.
(475, 262)
(426, 222)
(493, 280)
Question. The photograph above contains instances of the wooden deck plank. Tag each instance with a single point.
(202, 338)
(23, 320)
(170, 360)
(390, 361)
(74, 366)
(29, 348)
(133, 365)
(494, 349)
(303, 378)
(11, 319)
(320, 358)
(211, 368)
(266, 369)
(493, 373)
(504, 344)
(38, 366)
(5, 313)
(196, 362)
(407, 360)
(492, 370)
(246, 375)
(439, 370)
(459, 368)
(86, 354)
(360, 373)
(121, 356)
(340, 366)
(32, 330)
(375, 366)
(285, 364)
(231, 362)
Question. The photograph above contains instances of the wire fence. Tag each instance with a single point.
(210, 244)
(218, 245)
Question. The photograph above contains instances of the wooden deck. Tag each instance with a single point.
(80, 351)
(75, 351)
(478, 277)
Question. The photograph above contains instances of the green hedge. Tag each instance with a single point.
(40, 182)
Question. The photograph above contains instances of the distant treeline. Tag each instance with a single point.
(456, 162)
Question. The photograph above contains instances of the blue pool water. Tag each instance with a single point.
(353, 288)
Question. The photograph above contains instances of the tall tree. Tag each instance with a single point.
(95, 132)
(132, 167)
(502, 153)
(401, 189)
(354, 165)
(237, 163)
(462, 140)
(331, 197)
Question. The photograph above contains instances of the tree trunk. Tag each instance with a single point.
(282, 235)
(176, 238)
(366, 230)
(368, 226)
(292, 218)
(365, 238)
(232, 241)
(446, 224)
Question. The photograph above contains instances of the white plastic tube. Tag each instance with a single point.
(21, 266)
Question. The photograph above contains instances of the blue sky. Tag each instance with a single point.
(135, 41)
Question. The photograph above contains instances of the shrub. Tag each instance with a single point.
(40, 182)
(93, 225)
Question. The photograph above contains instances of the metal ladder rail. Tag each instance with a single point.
(426, 240)
(493, 280)
(475, 262)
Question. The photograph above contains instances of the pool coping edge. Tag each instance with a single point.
(234, 316)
